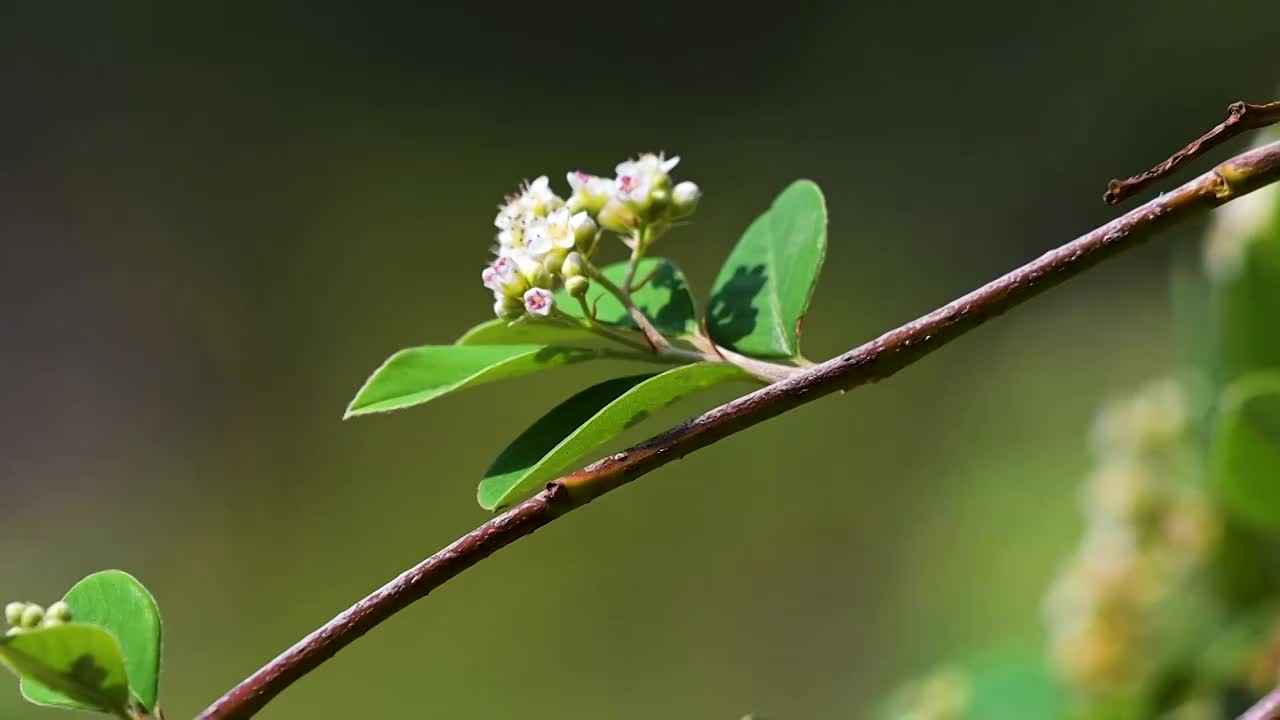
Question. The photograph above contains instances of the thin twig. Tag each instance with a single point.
(640, 285)
(1241, 117)
(873, 361)
(1268, 708)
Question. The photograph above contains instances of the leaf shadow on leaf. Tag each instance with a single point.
(87, 672)
(731, 312)
(571, 354)
(673, 313)
(636, 419)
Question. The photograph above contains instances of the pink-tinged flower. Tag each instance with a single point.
(499, 274)
(539, 301)
(590, 192)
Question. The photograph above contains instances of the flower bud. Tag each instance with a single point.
(508, 308)
(658, 201)
(13, 612)
(572, 266)
(684, 198)
(554, 260)
(577, 286)
(539, 301)
(14, 631)
(58, 612)
(31, 616)
(584, 231)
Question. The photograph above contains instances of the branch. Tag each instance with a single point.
(873, 361)
(1268, 708)
(1241, 117)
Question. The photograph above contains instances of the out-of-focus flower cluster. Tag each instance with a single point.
(545, 241)
(944, 694)
(1147, 529)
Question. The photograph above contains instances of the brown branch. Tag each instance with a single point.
(1241, 117)
(1268, 708)
(873, 361)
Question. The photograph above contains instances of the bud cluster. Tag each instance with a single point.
(24, 616)
(1147, 530)
(545, 241)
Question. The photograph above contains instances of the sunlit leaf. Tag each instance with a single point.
(417, 375)
(118, 603)
(761, 295)
(586, 421)
(502, 332)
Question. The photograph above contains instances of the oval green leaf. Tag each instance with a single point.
(501, 332)
(664, 299)
(417, 375)
(761, 295)
(1246, 449)
(586, 421)
(117, 602)
(78, 666)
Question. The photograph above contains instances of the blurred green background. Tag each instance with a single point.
(217, 219)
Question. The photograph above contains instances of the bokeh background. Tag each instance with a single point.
(217, 219)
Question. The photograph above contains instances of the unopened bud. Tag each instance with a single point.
(31, 616)
(577, 286)
(684, 198)
(508, 308)
(658, 201)
(572, 266)
(58, 612)
(13, 612)
(584, 231)
(14, 631)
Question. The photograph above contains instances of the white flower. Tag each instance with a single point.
(539, 301)
(560, 226)
(590, 192)
(537, 238)
(647, 164)
(638, 179)
(535, 200)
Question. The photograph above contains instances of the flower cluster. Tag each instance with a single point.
(1147, 530)
(945, 694)
(545, 241)
(23, 616)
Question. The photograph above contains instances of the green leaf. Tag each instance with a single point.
(1246, 449)
(1245, 253)
(502, 332)
(665, 299)
(118, 603)
(761, 295)
(586, 421)
(79, 665)
(416, 375)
